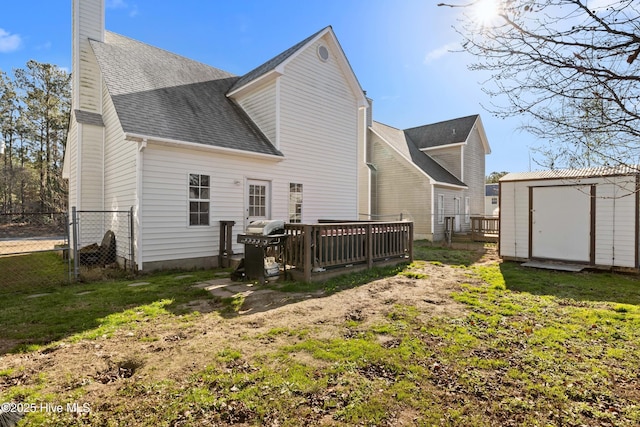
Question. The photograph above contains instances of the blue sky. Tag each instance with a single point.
(399, 50)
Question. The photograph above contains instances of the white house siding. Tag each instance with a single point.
(449, 203)
(318, 136)
(166, 234)
(119, 162)
(91, 167)
(88, 24)
(449, 158)
(474, 172)
(400, 188)
(260, 105)
(615, 218)
(71, 161)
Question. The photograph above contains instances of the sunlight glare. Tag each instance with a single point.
(486, 11)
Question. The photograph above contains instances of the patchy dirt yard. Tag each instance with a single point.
(174, 349)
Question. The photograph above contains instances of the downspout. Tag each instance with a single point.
(138, 211)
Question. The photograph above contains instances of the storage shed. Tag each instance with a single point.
(586, 216)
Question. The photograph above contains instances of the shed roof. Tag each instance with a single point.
(600, 171)
(401, 141)
(160, 94)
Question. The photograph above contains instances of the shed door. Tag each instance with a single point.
(561, 223)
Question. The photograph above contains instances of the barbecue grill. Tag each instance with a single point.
(259, 237)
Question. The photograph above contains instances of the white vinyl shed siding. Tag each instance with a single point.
(514, 219)
(615, 218)
(615, 204)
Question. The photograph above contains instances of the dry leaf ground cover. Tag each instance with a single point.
(454, 339)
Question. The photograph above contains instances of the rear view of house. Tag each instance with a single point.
(186, 145)
(585, 216)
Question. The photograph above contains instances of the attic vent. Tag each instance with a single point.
(323, 53)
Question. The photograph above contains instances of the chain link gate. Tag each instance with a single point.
(101, 239)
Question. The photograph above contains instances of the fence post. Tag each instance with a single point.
(369, 237)
(132, 240)
(411, 241)
(307, 252)
(74, 225)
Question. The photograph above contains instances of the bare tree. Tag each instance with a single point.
(570, 68)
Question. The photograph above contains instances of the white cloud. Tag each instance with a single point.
(440, 52)
(9, 42)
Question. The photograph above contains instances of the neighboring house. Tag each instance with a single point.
(587, 216)
(427, 173)
(186, 145)
(491, 200)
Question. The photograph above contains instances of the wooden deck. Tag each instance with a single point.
(315, 250)
(485, 229)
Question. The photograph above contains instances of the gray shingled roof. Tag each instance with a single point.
(160, 94)
(443, 133)
(272, 63)
(404, 144)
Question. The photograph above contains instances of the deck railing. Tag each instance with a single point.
(485, 228)
(317, 247)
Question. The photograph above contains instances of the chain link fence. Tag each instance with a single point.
(102, 239)
(42, 249)
(34, 249)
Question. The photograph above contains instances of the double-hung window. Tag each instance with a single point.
(295, 203)
(199, 199)
(440, 208)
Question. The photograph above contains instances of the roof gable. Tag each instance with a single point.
(449, 132)
(276, 66)
(160, 94)
(401, 142)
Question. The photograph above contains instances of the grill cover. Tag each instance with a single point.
(265, 227)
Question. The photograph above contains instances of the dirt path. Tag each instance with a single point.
(173, 349)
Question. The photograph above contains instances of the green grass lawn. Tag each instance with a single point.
(32, 271)
(532, 348)
(38, 314)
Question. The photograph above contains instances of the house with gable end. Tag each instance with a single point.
(183, 145)
(427, 173)
(187, 145)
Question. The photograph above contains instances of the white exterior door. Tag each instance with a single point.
(258, 203)
(561, 223)
(456, 212)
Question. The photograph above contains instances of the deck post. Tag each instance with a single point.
(369, 239)
(307, 233)
(411, 242)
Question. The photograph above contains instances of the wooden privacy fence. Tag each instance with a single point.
(314, 248)
(485, 228)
